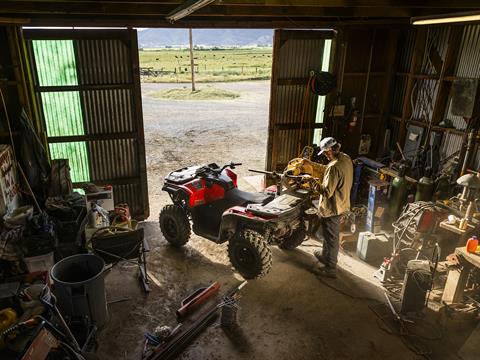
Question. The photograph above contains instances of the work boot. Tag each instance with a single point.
(328, 271)
(320, 257)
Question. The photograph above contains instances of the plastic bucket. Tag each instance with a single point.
(80, 287)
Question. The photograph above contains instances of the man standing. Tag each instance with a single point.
(334, 201)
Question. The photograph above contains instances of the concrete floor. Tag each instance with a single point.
(289, 314)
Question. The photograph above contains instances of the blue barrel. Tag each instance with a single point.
(79, 285)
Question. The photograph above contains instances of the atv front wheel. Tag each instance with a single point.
(174, 225)
(250, 254)
(292, 241)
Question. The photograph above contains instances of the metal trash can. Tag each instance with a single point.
(80, 287)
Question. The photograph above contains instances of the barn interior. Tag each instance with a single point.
(85, 273)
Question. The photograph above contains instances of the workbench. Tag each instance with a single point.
(456, 230)
(457, 276)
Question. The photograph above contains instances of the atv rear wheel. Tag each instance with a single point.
(174, 225)
(250, 254)
(292, 241)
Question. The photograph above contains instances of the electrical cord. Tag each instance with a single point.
(345, 293)
(413, 340)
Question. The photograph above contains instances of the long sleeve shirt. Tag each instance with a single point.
(336, 186)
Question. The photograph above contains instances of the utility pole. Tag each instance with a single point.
(192, 62)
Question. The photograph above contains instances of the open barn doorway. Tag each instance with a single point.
(226, 113)
(224, 119)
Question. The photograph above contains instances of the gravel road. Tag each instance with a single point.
(182, 133)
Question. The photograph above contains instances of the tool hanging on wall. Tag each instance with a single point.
(320, 84)
(306, 97)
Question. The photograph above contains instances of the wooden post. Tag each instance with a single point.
(415, 66)
(448, 66)
(192, 65)
(455, 285)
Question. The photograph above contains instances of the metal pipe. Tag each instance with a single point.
(368, 80)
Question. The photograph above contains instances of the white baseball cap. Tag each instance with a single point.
(326, 144)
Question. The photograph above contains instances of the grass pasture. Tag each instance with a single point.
(205, 93)
(211, 65)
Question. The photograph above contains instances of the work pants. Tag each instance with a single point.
(331, 230)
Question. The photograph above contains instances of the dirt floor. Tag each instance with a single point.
(289, 314)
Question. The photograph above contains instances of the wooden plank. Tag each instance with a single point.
(367, 81)
(270, 162)
(137, 99)
(454, 228)
(430, 4)
(455, 285)
(434, 128)
(328, 3)
(293, 81)
(415, 65)
(394, 36)
(133, 8)
(75, 34)
(361, 74)
(83, 87)
(473, 259)
(297, 125)
(211, 22)
(92, 137)
(448, 68)
(117, 181)
(308, 34)
(13, 21)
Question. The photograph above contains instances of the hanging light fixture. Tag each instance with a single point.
(446, 18)
(186, 9)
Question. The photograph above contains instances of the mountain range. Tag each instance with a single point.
(158, 38)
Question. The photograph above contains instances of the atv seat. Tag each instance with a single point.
(244, 197)
(281, 205)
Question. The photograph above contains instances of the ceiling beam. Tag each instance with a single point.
(428, 4)
(35, 8)
(206, 23)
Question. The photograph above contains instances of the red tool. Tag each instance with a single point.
(196, 299)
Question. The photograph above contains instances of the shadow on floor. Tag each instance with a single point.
(289, 314)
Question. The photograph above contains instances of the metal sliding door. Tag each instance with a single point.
(87, 83)
(293, 109)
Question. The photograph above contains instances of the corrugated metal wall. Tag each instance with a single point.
(466, 66)
(426, 90)
(295, 54)
(111, 116)
(427, 84)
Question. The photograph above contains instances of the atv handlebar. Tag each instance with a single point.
(273, 174)
(231, 166)
(216, 171)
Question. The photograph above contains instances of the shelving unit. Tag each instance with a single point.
(444, 80)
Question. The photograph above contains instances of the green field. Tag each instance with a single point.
(173, 65)
(207, 92)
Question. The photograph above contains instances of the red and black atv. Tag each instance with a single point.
(208, 197)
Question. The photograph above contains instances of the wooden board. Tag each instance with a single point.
(473, 259)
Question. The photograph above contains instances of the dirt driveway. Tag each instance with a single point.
(182, 133)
